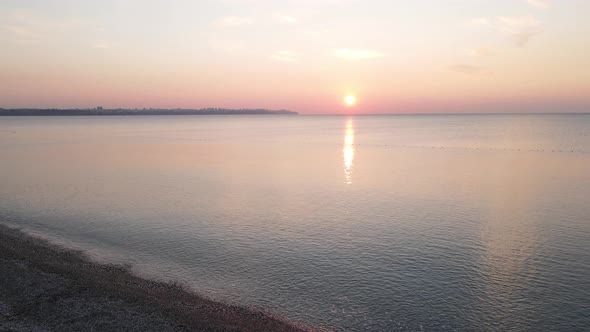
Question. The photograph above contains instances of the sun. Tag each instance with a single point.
(350, 100)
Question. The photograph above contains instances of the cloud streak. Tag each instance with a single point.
(520, 28)
(515, 23)
(540, 4)
(354, 54)
(522, 38)
(285, 19)
(284, 56)
(481, 52)
(470, 70)
(233, 21)
(27, 27)
(100, 46)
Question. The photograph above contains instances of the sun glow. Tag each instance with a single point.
(350, 100)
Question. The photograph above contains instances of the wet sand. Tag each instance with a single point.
(44, 287)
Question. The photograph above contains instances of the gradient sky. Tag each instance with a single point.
(419, 56)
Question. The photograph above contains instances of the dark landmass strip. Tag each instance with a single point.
(143, 111)
(47, 288)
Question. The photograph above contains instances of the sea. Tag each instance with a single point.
(343, 222)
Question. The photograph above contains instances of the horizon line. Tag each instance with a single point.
(288, 110)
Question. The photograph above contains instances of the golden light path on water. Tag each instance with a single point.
(348, 151)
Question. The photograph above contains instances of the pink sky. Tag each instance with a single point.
(426, 56)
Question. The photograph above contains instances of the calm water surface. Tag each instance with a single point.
(364, 223)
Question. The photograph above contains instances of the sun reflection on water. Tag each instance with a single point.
(348, 151)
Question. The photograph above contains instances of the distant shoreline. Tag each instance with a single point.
(45, 287)
(215, 111)
(99, 111)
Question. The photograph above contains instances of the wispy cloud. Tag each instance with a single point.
(522, 38)
(479, 21)
(282, 18)
(100, 46)
(481, 52)
(284, 55)
(520, 28)
(505, 22)
(541, 4)
(516, 23)
(227, 45)
(233, 21)
(22, 33)
(23, 26)
(358, 54)
(468, 69)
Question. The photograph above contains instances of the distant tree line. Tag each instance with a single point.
(144, 111)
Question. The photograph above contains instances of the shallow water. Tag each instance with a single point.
(447, 222)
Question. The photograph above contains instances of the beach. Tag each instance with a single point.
(44, 287)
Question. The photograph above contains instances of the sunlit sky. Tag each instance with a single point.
(394, 56)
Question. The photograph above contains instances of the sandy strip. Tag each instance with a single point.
(47, 288)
